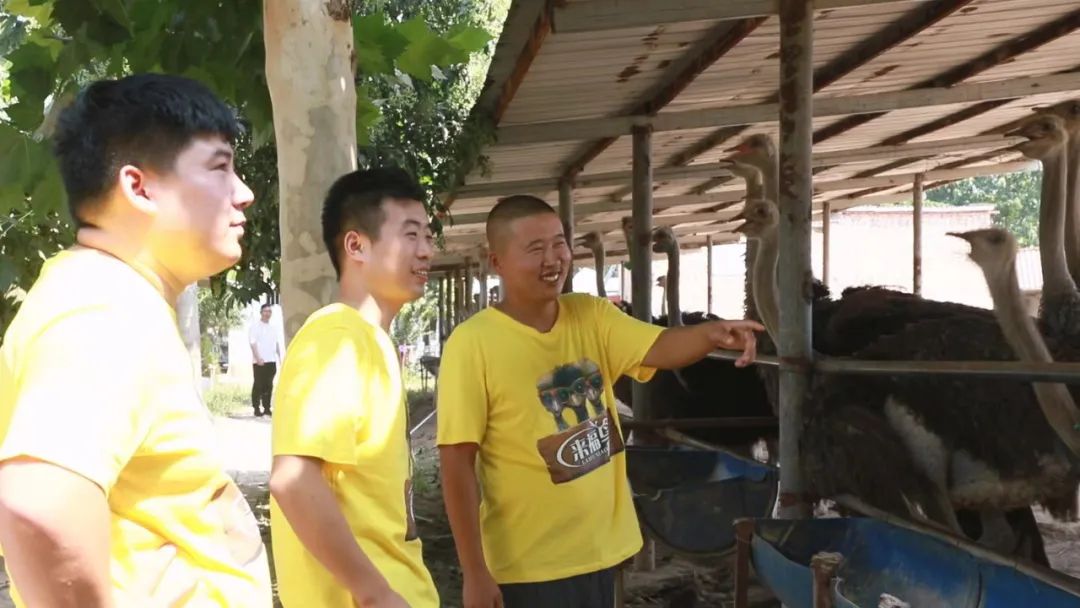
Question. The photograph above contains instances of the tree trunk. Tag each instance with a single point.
(309, 50)
(187, 317)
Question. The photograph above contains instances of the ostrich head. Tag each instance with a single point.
(664, 240)
(1046, 134)
(750, 174)
(759, 216)
(1069, 111)
(993, 249)
(590, 241)
(756, 149)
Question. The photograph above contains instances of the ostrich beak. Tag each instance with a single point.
(961, 235)
(742, 148)
(740, 217)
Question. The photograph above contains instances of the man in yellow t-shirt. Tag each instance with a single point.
(341, 514)
(110, 490)
(525, 387)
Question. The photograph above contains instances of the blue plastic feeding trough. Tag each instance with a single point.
(918, 569)
(687, 498)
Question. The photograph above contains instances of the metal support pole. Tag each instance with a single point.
(708, 274)
(440, 310)
(459, 297)
(566, 214)
(451, 300)
(484, 281)
(826, 231)
(641, 261)
(795, 275)
(916, 245)
(640, 258)
(468, 299)
(744, 535)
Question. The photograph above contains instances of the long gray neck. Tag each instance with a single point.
(771, 174)
(1056, 278)
(598, 261)
(765, 288)
(1072, 219)
(1019, 330)
(672, 290)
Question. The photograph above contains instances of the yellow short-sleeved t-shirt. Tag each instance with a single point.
(340, 399)
(555, 500)
(94, 377)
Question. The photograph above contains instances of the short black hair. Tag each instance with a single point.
(510, 208)
(355, 200)
(266, 306)
(144, 120)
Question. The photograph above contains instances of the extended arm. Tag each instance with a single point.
(680, 346)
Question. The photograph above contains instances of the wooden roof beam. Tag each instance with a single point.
(870, 104)
(540, 31)
(585, 209)
(1003, 53)
(722, 39)
(821, 159)
(906, 27)
(600, 15)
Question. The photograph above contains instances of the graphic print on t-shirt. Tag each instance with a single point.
(575, 392)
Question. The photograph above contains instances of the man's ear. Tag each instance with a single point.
(356, 246)
(134, 184)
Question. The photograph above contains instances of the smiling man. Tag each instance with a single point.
(525, 387)
(341, 516)
(109, 480)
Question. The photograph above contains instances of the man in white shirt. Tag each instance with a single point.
(266, 352)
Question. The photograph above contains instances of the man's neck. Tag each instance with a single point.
(135, 256)
(541, 315)
(378, 313)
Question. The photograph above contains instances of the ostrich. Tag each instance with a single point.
(991, 458)
(994, 251)
(708, 388)
(1059, 307)
(858, 444)
(1069, 111)
(862, 314)
(1066, 508)
(594, 242)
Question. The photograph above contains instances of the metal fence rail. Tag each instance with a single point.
(1066, 373)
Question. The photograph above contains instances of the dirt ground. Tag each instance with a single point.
(245, 444)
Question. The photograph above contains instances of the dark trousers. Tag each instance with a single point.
(592, 590)
(263, 386)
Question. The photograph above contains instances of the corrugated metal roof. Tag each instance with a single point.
(540, 75)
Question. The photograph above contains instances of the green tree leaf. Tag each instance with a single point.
(468, 38)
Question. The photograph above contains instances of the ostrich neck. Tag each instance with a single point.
(768, 307)
(1072, 221)
(771, 174)
(598, 260)
(672, 289)
(1056, 278)
(1019, 330)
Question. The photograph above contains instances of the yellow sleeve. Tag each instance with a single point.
(81, 395)
(462, 392)
(319, 407)
(626, 340)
